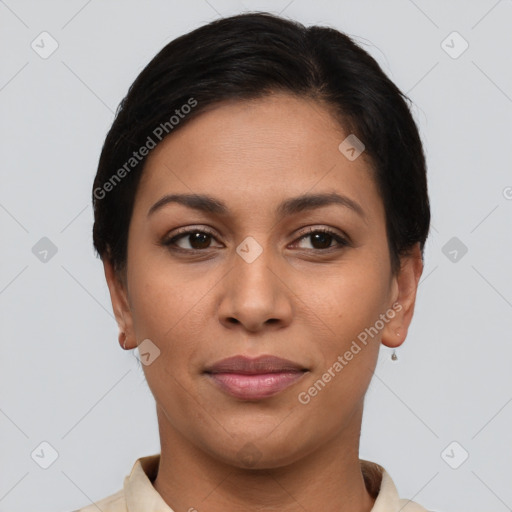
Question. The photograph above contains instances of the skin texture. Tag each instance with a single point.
(297, 300)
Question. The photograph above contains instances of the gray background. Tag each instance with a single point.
(65, 380)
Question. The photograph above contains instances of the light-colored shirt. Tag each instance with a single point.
(139, 495)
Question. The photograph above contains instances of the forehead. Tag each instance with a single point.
(260, 150)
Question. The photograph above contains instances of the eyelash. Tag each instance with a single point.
(342, 242)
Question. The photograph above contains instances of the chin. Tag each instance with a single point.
(253, 448)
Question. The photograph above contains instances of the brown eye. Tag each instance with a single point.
(199, 240)
(190, 240)
(322, 239)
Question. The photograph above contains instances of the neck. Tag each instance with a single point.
(330, 479)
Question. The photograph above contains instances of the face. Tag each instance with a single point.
(256, 269)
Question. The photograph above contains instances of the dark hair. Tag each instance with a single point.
(246, 57)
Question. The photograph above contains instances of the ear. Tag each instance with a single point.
(120, 305)
(405, 285)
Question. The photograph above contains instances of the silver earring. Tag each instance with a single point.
(394, 357)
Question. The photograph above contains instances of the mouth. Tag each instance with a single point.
(254, 379)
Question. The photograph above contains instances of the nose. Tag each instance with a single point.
(255, 295)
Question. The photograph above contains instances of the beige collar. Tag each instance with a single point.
(141, 495)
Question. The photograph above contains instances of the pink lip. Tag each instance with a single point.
(254, 379)
(255, 387)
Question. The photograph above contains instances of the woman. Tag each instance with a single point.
(261, 210)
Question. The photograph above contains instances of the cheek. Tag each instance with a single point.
(348, 300)
(169, 314)
(170, 307)
(161, 292)
(348, 304)
(166, 311)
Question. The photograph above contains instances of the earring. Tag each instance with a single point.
(394, 357)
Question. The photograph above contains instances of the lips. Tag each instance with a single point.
(254, 379)
(258, 365)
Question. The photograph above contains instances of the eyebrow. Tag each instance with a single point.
(305, 202)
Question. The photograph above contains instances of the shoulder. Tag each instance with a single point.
(381, 486)
(113, 503)
(411, 506)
